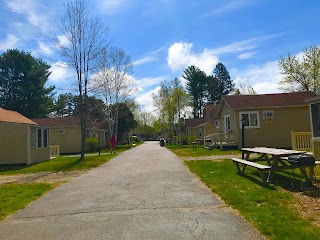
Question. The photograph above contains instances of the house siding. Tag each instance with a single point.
(277, 132)
(13, 143)
(69, 142)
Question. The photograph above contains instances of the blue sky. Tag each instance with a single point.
(163, 37)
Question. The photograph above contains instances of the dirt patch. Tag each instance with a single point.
(47, 177)
(309, 204)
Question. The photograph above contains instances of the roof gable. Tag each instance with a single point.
(268, 100)
(58, 121)
(211, 111)
(193, 122)
(14, 117)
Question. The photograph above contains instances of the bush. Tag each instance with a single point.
(92, 144)
(184, 140)
(192, 139)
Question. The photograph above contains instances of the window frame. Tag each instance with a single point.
(249, 113)
(61, 131)
(217, 123)
(225, 123)
(42, 141)
(265, 112)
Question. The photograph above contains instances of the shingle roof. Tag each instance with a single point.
(14, 117)
(58, 121)
(193, 122)
(268, 100)
(211, 110)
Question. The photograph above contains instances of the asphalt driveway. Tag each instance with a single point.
(144, 193)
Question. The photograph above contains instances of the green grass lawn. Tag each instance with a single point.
(267, 207)
(14, 197)
(190, 151)
(62, 163)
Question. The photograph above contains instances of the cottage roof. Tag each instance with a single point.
(58, 121)
(268, 100)
(14, 117)
(211, 110)
(193, 122)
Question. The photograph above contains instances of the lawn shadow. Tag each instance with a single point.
(257, 180)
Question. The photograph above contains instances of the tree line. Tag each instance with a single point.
(100, 70)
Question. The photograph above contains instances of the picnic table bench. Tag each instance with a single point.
(244, 163)
(276, 161)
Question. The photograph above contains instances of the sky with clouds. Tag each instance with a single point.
(164, 37)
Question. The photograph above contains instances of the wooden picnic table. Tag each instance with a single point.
(276, 159)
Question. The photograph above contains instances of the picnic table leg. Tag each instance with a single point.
(263, 177)
(242, 169)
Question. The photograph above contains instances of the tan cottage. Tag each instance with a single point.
(21, 139)
(191, 127)
(268, 118)
(66, 132)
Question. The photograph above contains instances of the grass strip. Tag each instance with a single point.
(61, 164)
(190, 151)
(14, 197)
(267, 207)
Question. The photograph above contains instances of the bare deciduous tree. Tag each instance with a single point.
(85, 39)
(114, 82)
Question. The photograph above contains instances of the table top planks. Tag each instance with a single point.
(273, 151)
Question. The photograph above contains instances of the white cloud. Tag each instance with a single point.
(180, 56)
(45, 49)
(263, 78)
(59, 72)
(145, 100)
(63, 40)
(228, 7)
(149, 82)
(29, 8)
(109, 6)
(144, 60)
(11, 41)
(246, 55)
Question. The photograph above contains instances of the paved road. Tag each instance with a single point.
(144, 193)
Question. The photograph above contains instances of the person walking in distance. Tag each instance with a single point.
(113, 144)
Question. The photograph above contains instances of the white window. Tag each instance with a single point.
(267, 114)
(216, 123)
(42, 137)
(227, 124)
(251, 119)
(61, 131)
(199, 132)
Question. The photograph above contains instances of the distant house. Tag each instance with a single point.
(210, 113)
(268, 118)
(21, 139)
(191, 125)
(66, 132)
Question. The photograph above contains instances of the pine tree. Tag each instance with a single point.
(22, 84)
(225, 83)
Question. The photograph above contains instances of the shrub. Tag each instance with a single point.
(184, 140)
(92, 144)
(192, 139)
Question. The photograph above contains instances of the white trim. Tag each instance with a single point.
(42, 138)
(249, 112)
(61, 131)
(265, 113)
(217, 123)
(225, 121)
